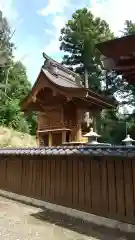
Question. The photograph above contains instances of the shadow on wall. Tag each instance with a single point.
(82, 227)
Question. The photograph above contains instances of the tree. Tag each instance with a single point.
(18, 86)
(113, 127)
(5, 37)
(129, 28)
(6, 45)
(11, 116)
(78, 39)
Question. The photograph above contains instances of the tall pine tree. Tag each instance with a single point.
(78, 39)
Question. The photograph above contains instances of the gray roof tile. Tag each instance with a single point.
(71, 150)
(60, 80)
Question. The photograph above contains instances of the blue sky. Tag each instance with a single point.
(38, 23)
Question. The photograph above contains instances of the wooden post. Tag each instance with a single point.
(37, 139)
(62, 114)
(63, 136)
(50, 139)
(37, 132)
(70, 137)
(79, 129)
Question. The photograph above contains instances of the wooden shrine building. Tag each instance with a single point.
(61, 102)
(119, 55)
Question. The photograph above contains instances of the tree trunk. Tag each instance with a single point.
(87, 115)
(86, 78)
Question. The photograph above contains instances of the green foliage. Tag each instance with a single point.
(32, 120)
(112, 127)
(19, 86)
(14, 86)
(11, 116)
(129, 28)
(78, 39)
(6, 44)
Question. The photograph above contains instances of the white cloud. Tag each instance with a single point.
(54, 45)
(58, 22)
(49, 31)
(9, 10)
(115, 12)
(54, 7)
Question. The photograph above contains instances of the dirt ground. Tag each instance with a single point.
(23, 222)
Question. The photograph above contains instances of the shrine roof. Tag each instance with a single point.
(59, 79)
(117, 47)
(60, 75)
(119, 55)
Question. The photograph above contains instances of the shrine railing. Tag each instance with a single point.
(51, 126)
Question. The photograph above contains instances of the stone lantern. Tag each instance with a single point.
(128, 141)
(92, 137)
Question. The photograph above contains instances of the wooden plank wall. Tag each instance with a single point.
(103, 186)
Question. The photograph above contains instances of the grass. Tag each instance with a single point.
(11, 138)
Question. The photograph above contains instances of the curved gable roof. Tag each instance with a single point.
(53, 74)
(61, 80)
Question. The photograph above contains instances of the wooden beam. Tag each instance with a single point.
(121, 68)
(129, 74)
(126, 71)
(128, 57)
(126, 62)
(96, 101)
(131, 80)
(47, 130)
